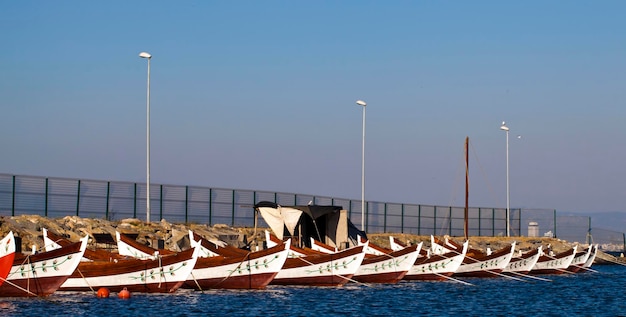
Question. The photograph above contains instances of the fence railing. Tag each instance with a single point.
(116, 200)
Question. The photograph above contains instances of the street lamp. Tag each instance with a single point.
(147, 56)
(506, 129)
(363, 104)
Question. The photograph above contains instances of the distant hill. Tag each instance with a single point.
(602, 221)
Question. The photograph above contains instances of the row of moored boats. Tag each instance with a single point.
(71, 266)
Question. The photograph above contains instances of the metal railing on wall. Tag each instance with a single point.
(116, 200)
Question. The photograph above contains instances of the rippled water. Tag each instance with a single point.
(588, 294)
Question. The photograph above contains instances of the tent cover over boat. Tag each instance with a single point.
(328, 224)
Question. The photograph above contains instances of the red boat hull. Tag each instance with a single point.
(251, 281)
(389, 277)
(43, 286)
(6, 262)
(428, 277)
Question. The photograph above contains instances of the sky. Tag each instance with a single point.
(262, 95)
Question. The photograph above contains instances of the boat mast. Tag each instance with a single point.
(465, 227)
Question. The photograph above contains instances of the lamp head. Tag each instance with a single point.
(145, 55)
(504, 127)
(361, 103)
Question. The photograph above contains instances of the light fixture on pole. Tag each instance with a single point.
(363, 104)
(148, 57)
(506, 129)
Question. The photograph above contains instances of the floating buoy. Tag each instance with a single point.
(103, 292)
(124, 294)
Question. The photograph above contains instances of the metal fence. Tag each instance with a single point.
(59, 197)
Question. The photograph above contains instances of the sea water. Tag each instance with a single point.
(599, 293)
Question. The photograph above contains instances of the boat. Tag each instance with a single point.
(579, 260)
(164, 275)
(591, 258)
(322, 247)
(41, 274)
(433, 267)
(313, 268)
(226, 268)
(127, 246)
(223, 267)
(550, 263)
(53, 241)
(7, 255)
(476, 263)
(101, 268)
(234, 268)
(371, 248)
(524, 262)
(382, 265)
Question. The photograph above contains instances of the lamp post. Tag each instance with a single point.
(147, 56)
(362, 104)
(506, 129)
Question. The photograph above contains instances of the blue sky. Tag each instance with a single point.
(261, 95)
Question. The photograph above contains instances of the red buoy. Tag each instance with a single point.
(124, 294)
(103, 292)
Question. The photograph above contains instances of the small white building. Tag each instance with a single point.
(533, 229)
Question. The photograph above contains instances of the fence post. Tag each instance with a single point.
(233, 210)
(350, 208)
(78, 199)
(210, 206)
(106, 212)
(419, 219)
(253, 200)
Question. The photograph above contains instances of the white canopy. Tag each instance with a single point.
(278, 218)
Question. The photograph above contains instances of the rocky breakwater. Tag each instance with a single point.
(175, 237)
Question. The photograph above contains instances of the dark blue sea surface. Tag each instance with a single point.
(600, 293)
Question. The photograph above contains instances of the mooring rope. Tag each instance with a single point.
(85, 279)
(453, 279)
(530, 276)
(19, 287)
(233, 271)
(196, 281)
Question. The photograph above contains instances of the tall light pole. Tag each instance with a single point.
(506, 129)
(149, 57)
(362, 104)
